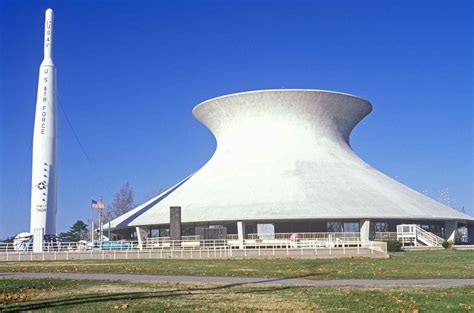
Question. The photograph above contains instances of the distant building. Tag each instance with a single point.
(284, 164)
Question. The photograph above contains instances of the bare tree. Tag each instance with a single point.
(122, 203)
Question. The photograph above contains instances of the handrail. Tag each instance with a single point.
(413, 232)
(434, 239)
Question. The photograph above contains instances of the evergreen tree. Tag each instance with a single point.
(78, 231)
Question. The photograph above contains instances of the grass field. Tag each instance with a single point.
(403, 265)
(89, 296)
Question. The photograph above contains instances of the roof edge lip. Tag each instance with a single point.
(338, 218)
(281, 90)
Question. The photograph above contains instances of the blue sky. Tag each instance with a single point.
(130, 72)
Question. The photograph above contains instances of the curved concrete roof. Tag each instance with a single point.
(285, 154)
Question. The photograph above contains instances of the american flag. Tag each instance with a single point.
(97, 204)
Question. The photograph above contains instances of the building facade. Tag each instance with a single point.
(284, 164)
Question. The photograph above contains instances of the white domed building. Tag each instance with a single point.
(284, 164)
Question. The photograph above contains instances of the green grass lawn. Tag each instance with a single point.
(90, 296)
(402, 265)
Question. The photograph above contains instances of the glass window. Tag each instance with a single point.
(250, 228)
(380, 227)
(266, 231)
(155, 232)
(164, 232)
(351, 227)
(334, 227)
(187, 230)
(216, 226)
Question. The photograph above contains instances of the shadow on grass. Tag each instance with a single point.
(95, 298)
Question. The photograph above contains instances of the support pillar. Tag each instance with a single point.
(364, 230)
(450, 231)
(241, 233)
(175, 223)
(142, 235)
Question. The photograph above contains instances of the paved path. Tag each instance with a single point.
(241, 281)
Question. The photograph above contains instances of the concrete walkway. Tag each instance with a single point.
(241, 281)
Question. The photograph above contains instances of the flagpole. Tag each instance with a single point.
(91, 226)
(92, 234)
(100, 220)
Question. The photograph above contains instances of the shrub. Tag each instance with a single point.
(394, 246)
(447, 244)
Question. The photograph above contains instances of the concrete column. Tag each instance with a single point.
(364, 230)
(450, 230)
(142, 235)
(241, 233)
(470, 233)
(175, 223)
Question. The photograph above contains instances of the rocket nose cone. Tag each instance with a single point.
(49, 12)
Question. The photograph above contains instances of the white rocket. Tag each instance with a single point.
(45, 144)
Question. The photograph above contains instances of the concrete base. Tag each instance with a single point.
(422, 248)
(463, 247)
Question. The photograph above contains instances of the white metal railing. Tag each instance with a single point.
(81, 245)
(411, 234)
(384, 236)
(271, 241)
(329, 236)
(376, 249)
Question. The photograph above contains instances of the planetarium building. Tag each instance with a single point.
(284, 164)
